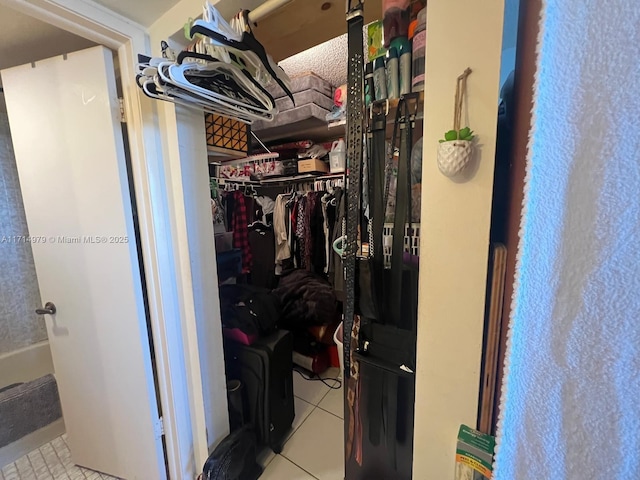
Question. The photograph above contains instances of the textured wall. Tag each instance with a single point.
(19, 293)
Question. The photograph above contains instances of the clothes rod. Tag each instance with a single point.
(266, 9)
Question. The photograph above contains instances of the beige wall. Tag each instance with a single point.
(455, 234)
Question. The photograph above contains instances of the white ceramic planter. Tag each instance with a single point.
(454, 156)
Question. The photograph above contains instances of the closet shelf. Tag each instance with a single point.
(307, 121)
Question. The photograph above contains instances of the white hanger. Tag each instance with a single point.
(211, 103)
(178, 78)
(213, 21)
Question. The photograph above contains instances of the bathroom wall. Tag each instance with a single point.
(19, 293)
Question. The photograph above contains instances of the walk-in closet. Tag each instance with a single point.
(280, 173)
(313, 164)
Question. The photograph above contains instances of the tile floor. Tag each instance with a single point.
(314, 449)
(52, 461)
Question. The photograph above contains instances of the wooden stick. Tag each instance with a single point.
(492, 336)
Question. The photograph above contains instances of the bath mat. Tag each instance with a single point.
(27, 408)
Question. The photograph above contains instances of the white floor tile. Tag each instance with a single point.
(317, 446)
(333, 402)
(282, 469)
(52, 461)
(331, 372)
(303, 410)
(308, 390)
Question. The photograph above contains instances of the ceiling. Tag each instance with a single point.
(24, 39)
(144, 12)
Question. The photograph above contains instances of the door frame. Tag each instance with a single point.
(523, 95)
(179, 381)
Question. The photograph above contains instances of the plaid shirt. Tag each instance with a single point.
(239, 225)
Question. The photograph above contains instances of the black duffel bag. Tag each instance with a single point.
(234, 458)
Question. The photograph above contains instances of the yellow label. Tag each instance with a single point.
(477, 466)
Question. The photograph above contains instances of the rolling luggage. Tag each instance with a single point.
(265, 369)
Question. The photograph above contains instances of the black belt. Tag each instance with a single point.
(355, 111)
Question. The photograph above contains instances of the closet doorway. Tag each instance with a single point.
(194, 189)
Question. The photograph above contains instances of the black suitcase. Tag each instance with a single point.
(265, 369)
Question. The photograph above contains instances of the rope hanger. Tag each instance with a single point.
(461, 87)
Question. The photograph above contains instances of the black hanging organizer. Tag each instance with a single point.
(381, 304)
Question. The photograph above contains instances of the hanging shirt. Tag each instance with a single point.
(301, 230)
(280, 222)
(239, 224)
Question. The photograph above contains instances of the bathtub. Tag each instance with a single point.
(25, 364)
(21, 366)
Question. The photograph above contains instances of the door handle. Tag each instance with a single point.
(49, 309)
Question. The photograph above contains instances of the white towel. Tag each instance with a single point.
(571, 406)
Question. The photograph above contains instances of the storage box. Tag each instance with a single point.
(303, 98)
(312, 165)
(289, 167)
(300, 83)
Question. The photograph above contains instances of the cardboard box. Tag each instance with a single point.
(312, 165)
(474, 455)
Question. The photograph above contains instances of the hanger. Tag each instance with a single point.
(213, 75)
(163, 75)
(224, 78)
(241, 39)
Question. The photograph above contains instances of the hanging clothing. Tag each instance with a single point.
(301, 232)
(268, 206)
(239, 224)
(280, 230)
(336, 274)
(261, 239)
(326, 198)
(315, 240)
(217, 212)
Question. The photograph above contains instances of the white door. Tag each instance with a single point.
(67, 137)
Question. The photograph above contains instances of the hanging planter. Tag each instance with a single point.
(456, 149)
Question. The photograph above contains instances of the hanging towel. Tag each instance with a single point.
(570, 408)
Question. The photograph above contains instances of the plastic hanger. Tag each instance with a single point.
(240, 38)
(166, 84)
(255, 87)
(217, 75)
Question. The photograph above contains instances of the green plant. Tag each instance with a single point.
(463, 134)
